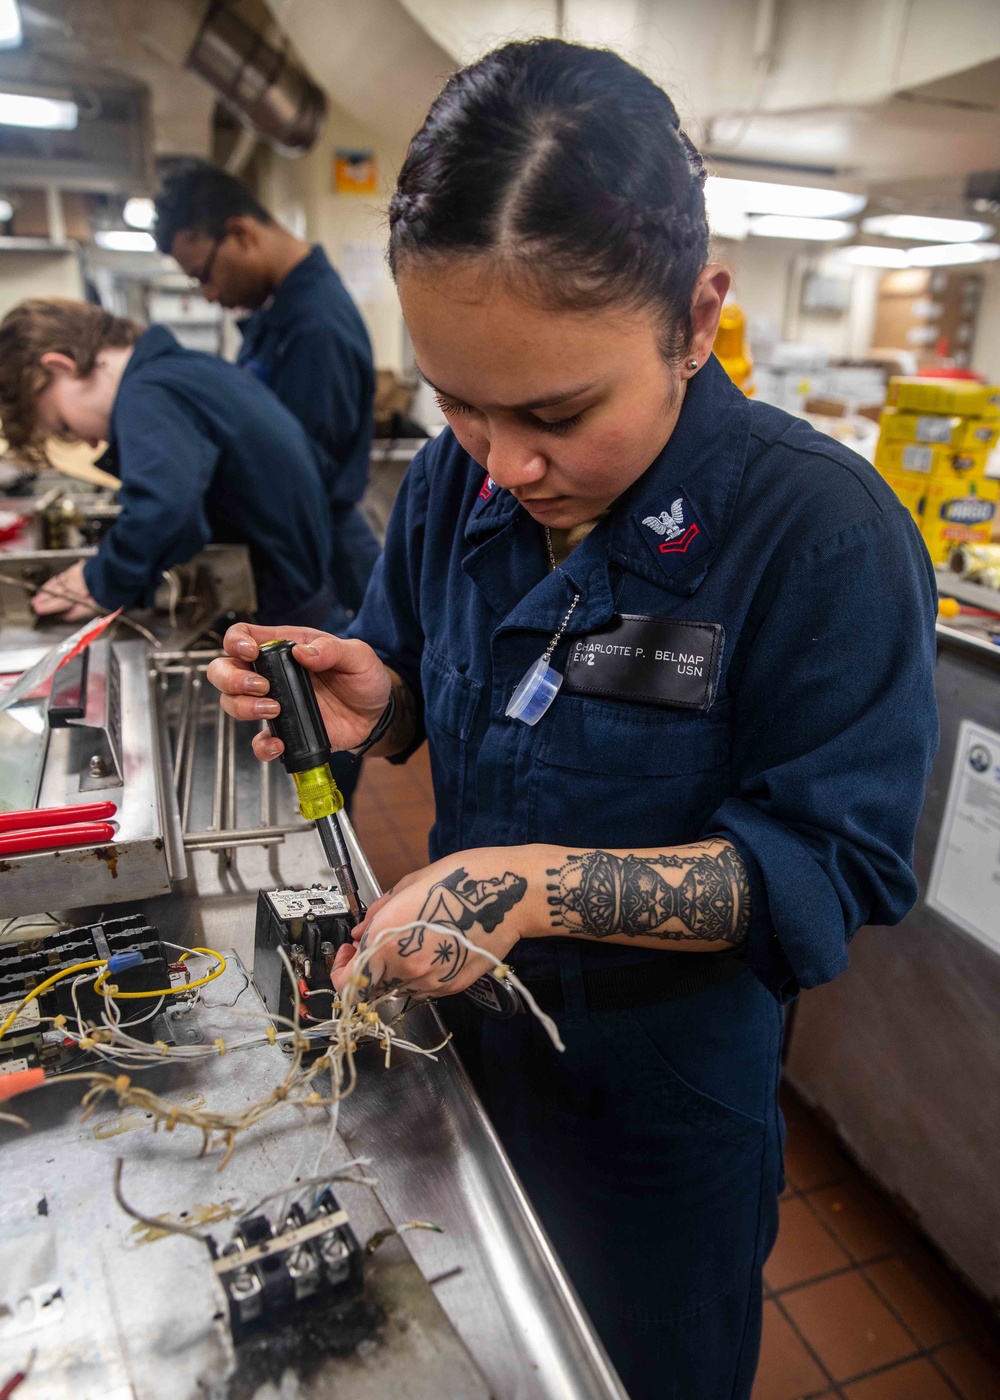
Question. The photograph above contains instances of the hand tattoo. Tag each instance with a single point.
(461, 903)
(599, 894)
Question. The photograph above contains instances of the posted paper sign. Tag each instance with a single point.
(965, 880)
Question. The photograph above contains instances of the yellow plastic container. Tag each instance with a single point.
(731, 348)
(962, 396)
(951, 517)
(928, 459)
(936, 429)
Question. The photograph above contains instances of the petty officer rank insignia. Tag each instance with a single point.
(675, 535)
(658, 661)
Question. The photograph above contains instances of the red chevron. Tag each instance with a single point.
(679, 546)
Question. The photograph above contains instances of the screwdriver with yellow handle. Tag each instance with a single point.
(306, 756)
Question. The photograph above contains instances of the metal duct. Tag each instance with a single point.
(259, 82)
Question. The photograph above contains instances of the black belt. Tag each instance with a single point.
(642, 984)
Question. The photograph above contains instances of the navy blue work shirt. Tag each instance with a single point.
(203, 454)
(813, 756)
(310, 347)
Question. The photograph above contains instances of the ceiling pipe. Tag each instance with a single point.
(257, 80)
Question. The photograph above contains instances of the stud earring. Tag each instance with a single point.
(692, 364)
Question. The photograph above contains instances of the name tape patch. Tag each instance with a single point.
(660, 661)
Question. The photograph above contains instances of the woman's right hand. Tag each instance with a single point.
(352, 685)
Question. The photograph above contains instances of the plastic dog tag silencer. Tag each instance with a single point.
(538, 688)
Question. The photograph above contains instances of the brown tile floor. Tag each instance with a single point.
(857, 1306)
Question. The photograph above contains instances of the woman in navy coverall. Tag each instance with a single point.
(725, 787)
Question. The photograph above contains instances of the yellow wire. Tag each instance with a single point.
(98, 985)
(170, 991)
(44, 986)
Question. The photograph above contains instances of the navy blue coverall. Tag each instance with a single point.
(203, 455)
(652, 1147)
(310, 347)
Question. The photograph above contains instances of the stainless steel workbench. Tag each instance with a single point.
(432, 1148)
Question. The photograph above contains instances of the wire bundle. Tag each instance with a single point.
(352, 1021)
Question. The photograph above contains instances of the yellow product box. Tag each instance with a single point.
(963, 396)
(931, 459)
(950, 519)
(950, 430)
(909, 488)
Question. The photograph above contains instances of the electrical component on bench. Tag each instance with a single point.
(310, 925)
(130, 946)
(269, 1275)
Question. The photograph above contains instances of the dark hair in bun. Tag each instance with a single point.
(568, 167)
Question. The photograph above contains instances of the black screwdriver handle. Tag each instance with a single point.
(299, 726)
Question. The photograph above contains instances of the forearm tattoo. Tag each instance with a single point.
(459, 903)
(704, 894)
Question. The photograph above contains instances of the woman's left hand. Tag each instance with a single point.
(66, 593)
(482, 894)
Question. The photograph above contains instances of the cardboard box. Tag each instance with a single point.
(938, 428)
(909, 489)
(961, 396)
(950, 518)
(927, 459)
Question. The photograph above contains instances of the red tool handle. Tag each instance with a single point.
(54, 838)
(57, 816)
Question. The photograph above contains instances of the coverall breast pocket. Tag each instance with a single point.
(450, 704)
(617, 774)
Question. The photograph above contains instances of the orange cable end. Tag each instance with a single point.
(19, 1081)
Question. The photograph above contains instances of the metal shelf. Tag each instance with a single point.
(34, 245)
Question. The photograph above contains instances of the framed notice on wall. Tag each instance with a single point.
(355, 172)
(965, 878)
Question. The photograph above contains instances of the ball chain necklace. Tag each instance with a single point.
(540, 684)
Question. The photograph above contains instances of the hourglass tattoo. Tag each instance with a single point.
(600, 894)
(461, 903)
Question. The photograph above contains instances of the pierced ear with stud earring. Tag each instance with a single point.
(692, 364)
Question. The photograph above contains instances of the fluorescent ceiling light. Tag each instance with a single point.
(50, 113)
(759, 197)
(125, 240)
(865, 255)
(139, 213)
(952, 254)
(729, 223)
(934, 230)
(10, 25)
(784, 226)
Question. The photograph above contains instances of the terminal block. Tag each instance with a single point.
(270, 1275)
(132, 947)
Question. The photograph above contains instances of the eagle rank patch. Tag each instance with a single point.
(675, 534)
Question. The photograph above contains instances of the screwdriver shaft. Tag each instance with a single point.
(337, 854)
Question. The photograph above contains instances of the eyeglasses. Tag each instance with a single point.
(202, 278)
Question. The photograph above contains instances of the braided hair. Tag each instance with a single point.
(568, 168)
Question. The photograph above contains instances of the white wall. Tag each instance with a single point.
(761, 269)
(986, 351)
(767, 283)
(352, 228)
(38, 275)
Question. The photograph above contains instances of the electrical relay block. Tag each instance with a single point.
(310, 925)
(269, 1275)
(23, 966)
